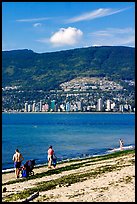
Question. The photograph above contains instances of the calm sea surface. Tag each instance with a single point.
(72, 135)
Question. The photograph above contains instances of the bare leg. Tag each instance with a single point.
(49, 163)
(121, 147)
(17, 172)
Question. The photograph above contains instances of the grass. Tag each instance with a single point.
(72, 166)
(68, 179)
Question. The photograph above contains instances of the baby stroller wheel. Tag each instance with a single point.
(32, 173)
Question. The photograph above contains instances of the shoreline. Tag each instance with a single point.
(108, 178)
(10, 170)
(128, 147)
(68, 112)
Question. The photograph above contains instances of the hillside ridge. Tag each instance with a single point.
(48, 70)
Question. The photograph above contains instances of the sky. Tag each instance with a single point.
(55, 26)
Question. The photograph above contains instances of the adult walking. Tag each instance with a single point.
(50, 156)
(17, 158)
(121, 143)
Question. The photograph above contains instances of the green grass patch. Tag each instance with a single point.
(72, 166)
(63, 181)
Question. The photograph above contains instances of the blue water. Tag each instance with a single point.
(72, 135)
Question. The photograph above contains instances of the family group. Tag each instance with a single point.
(27, 168)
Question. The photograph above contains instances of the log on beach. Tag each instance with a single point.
(35, 195)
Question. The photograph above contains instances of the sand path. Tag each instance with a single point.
(114, 186)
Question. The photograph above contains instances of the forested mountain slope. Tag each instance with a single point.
(46, 71)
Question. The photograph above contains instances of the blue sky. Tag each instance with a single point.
(54, 26)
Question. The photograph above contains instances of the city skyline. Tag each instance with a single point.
(55, 26)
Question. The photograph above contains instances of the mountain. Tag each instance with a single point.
(46, 71)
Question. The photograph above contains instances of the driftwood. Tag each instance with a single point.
(35, 195)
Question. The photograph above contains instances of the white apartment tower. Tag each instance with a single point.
(26, 107)
(108, 105)
(79, 105)
(40, 106)
(29, 108)
(99, 104)
(34, 107)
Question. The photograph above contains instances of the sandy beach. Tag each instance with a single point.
(90, 180)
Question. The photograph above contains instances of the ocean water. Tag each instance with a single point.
(72, 135)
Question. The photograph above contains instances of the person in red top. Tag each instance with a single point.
(50, 156)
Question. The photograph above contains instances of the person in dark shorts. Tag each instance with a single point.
(17, 158)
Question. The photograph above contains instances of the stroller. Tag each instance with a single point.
(28, 167)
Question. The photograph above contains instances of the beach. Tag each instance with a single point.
(109, 178)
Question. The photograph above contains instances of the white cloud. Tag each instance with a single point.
(37, 25)
(113, 31)
(101, 12)
(32, 19)
(44, 40)
(101, 33)
(114, 37)
(66, 36)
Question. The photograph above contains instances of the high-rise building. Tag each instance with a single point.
(62, 107)
(43, 108)
(79, 105)
(108, 105)
(29, 108)
(68, 106)
(99, 104)
(52, 108)
(126, 107)
(40, 106)
(33, 107)
(46, 107)
(113, 105)
(26, 107)
(75, 108)
(121, 108)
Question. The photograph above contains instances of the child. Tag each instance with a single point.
(24, 171)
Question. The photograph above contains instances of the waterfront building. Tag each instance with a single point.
(67, 106)
(40, 106)
(79, 105)
(88, 108)
(121, 108)
(71, 107)
(99, 104)
(52, 108)
(37, 108)
(62, 107)
(113, 105)
(33, 107)
(29, 108)
(43, 108)
(46, 107)
(108, 105)
(26, 107)
(75, 108)
(129, 107)
(126, 107)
